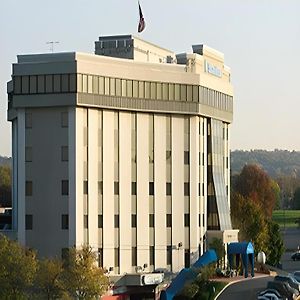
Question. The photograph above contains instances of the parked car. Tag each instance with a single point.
(295, 256)
(290, 280)
(297, 275)
(270, 294)
(284, 289)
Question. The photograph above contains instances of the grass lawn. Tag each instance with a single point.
(286, 218)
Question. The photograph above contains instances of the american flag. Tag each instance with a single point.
(142, 24)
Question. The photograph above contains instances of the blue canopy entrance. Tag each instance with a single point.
(246, 251)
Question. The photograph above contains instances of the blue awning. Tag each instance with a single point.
(240, 248)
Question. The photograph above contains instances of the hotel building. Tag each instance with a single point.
(126, 150)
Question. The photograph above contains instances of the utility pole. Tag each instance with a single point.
(52, 45)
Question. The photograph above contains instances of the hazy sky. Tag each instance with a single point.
(259, 38)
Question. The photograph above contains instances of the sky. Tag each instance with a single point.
(259, 38)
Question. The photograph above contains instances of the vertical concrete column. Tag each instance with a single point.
(72, 128)
(142, 189)
(160, 191)
(125, 190)
(194, 183)
(21, 176)
(79, 175)
(93, 178)
(108, 189)
(177, 192)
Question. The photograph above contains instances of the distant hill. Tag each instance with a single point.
(5, 161)
(276, 163)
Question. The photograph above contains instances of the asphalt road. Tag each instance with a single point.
(246, 289)
(291, 238)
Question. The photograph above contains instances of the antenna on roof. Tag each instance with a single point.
(52, 45)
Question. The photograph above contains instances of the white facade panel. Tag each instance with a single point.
(194, 184)
(177, 191)
(72, 114)
(108, 189)
(21, 175)
(79, 177)
(142, 189)
(125, 190)
(160, 201)
(93, 178)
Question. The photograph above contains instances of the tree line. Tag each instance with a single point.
(23, 276)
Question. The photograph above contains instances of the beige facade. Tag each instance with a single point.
(129, 155)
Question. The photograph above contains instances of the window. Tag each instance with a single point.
(28, 222)
(133, 188)
(56, 83)
(65, 83)
(100, 187)
(116, 188)
(86, 221)
(186, 189)
(117, 221)
(28, 188)
(151, 188)
(25, 84)
(151, 220)
(100, 257)
(64, 221)
(134, 256)
(65, 187)
(168, 188)
(85, 187)
(100, 221)
(32, 84)
(49, 83)
(186, 157)
(117, 257)
(133, 221)
(169, 255)
(151, 250)
(17, 84)
(64, 119)
(64, 153)
(28, 154)
(28, 120)
(169, 220)
(187, 220)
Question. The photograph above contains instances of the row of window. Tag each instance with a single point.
(65, 221)
(64, 154)
(64, 120)
(65, 188)
(100, 85)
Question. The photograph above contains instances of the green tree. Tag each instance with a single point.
(17, 269)
(82, 279)
(277, 193)
(218, 246)
(5, 186)
(275, 247)
(248, 217)
(296, 199)
(48, 279)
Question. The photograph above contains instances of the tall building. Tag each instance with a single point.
(126, 150)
